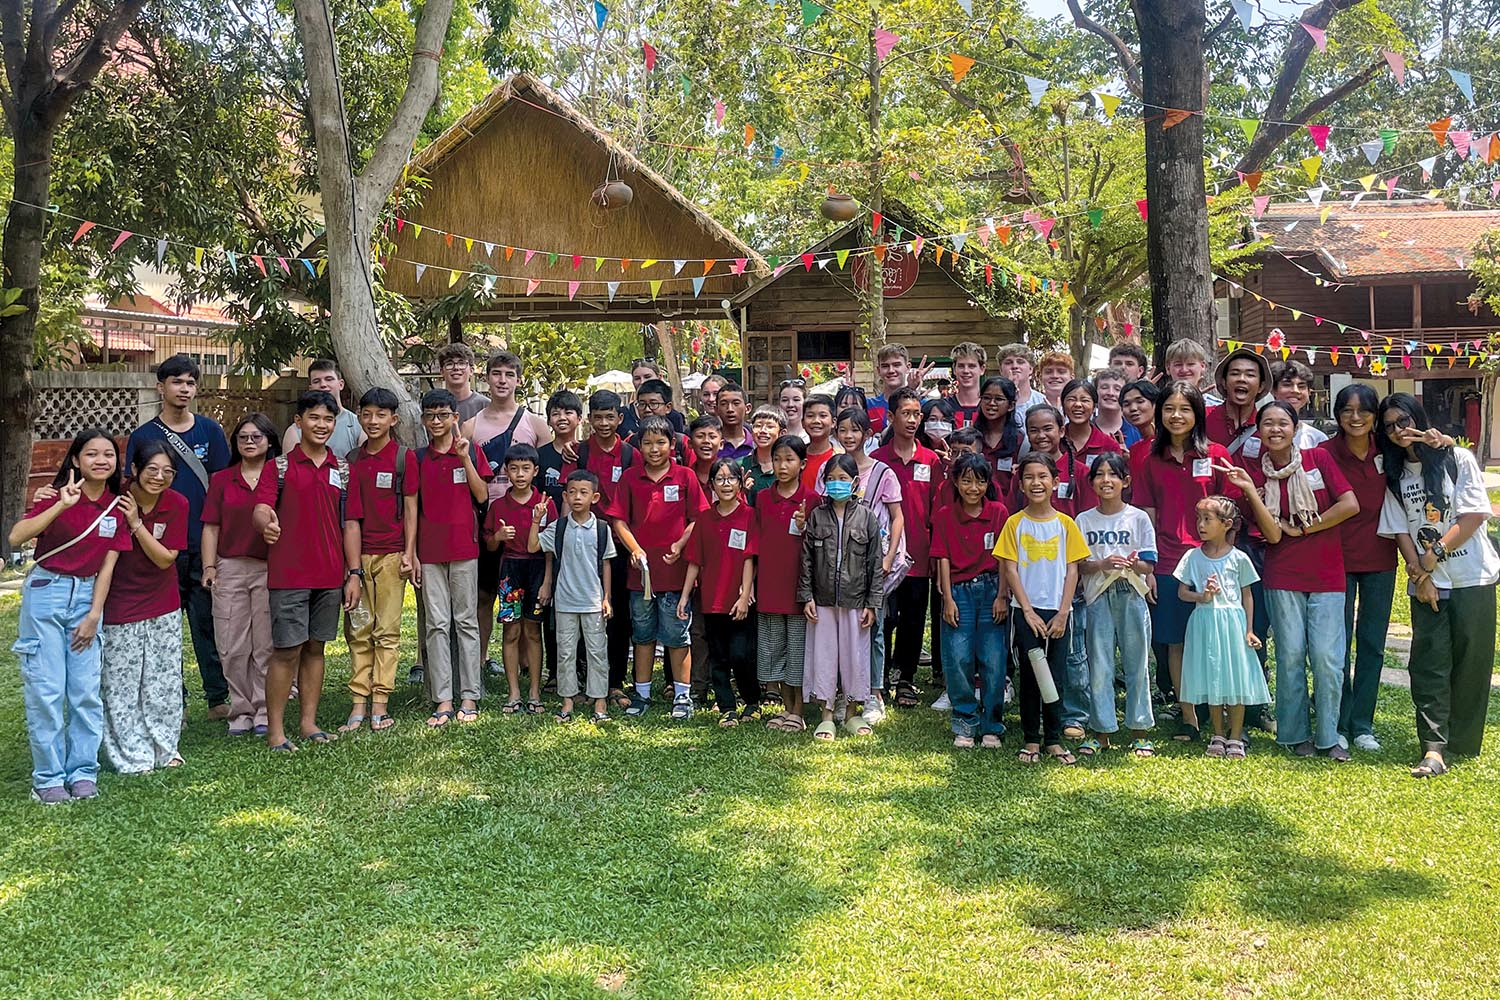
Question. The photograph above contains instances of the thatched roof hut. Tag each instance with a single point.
(508, 205)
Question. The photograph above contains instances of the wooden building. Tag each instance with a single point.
(509, 206)
(1395, 270)
(815, 315)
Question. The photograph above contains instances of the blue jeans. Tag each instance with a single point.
(1362, 663)
(975, 650)
(1076, 694)
(1119, 619)
(1309, 632)
(53, 676)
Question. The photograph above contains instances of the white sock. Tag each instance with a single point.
(643, 688)
(681, 689)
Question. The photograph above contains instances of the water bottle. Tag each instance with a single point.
(359, 616)
(1043, 674)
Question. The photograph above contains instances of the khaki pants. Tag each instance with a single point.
(242, 633)
(374, 649)
(451, 593)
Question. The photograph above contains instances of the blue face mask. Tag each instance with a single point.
(839, 489)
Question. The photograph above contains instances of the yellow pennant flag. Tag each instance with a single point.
(197, 256)
(961, 65)
(452, 278)
(1311, 166)
(1323, 215)
(842, 256)
(1296, 314)
(647, 262)
(655, 288)
(1367, 181)
(804, 174)
(469, 244)
(1109, 102)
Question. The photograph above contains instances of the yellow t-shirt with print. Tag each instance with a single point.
(1041, 550)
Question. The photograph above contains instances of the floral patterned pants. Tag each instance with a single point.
(140, 682)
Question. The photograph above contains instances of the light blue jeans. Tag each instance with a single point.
(1119, 619)
(1309, 631)
(53, 677)
(1076, 695)
(975, 652)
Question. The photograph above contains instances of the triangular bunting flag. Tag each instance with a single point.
(749, 135)
(1366, 181)
(842, 256)
(875, 220)
(612, 287)
(776, 154)
(1311, 165)
(879, 250)
(161, 251)
(1319, 135)
(421, 270)
(311, 271)
(532, 284)
(285, 267)
(739, 265)
(416, 230)
(1109, 102)
(884, 42)
(198, 256)
(259, 263)
(1464, 84)
(698, 286)
(1439, 129)
(810, 12)
(1372, 150)
(551, 259)
(1140, 206)
(655, 289)
(453, 279)
(968, 6)
(685, 82)
(1173, 116)
(601, 12)
(650, 51)
(677, 266)
(1460, 139)
(1036, 88)
(1427, 166)
(1319, 35)
(125, 234)
(526, 258)
(708, 265)
(572, 289)
(1096, 216)
(1249, 126)
(960, 66)
(959, 239)
(1388, 137)
(1242, 10)
(1397, 62)
(1252, 179)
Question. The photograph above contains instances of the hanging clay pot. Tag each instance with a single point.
(613, 194)
(839, 207)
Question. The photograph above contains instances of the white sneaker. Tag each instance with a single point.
(1367, 741)
(874, 712)
(942, 704)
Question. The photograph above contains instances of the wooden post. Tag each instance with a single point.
(664, 337)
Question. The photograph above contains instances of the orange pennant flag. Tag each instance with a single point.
(708, 265)
(879, 251)
(510, 252)
(1004, 233)
(624, 263)
(1439, 130)
(961, 66)
(749, 135)
(1174, 116)
(1252, 180)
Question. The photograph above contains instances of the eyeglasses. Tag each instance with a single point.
(158, 472)
(994, 399)
(1399, 424)
(250, 438)
(787, 383)
(438, 415)
(721, 481)
(456, 363)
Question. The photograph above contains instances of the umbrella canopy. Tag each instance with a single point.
(614, 380)
(694, 381)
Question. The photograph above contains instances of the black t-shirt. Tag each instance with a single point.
(549, 479)
(960, 416)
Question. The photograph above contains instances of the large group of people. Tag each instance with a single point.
(1046, 538)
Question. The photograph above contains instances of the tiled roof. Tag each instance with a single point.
(1378, 240)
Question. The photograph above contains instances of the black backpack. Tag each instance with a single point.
(601, 540)
(401, 453)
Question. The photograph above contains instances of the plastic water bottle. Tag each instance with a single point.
(359, 616)
(1043, 673)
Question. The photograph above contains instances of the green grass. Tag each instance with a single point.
(517, 858)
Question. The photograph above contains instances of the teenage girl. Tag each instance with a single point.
(1003, 437)
(781, 630)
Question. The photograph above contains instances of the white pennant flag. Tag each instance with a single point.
(677, 267)
(1316, 194)
(1372, 150)
(1036, 88)
(161, 252)
(421, 270)
(1463, 193)
(1242, 10)
(968, 6)
(489, 249)
(959, 239)
(612, 287)
(489, 285)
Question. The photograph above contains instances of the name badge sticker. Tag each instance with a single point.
(793, 528)
(158, 530)
(1064, 490)
(921, 473)
(1380, 464)
(334, 480)
(1315, 479)
(108, 527)
(989, 540)
(614, 474)
(460, 476)
(1004, 464)
(671, 494)
(1202, 468)
(384, 480)
(737, 538)
(1252, 448)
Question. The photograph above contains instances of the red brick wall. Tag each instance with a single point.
(46, 458)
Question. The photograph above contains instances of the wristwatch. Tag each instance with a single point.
(355, 572)
(1438, 549)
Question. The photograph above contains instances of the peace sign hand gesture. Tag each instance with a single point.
(918, 375)
(71, 491)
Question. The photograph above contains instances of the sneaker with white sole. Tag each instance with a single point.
(53, 796)
(874, 710)
(83, 789)
(1367, 741)
(942, 704)
(682, 707)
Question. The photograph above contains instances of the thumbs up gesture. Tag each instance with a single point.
(272, 531)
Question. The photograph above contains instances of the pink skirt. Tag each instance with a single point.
(838, 656)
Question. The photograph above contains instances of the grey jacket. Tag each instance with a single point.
(850, 576)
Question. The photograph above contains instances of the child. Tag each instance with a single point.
(1109, 383)
(140, 678)
(1187, 361)
(721, 562)
(309, 518)
(1039, 552)
(1044, 433)
(789, 403)
(1017, 364)
(80, 533)
(704, 439)
(564, 414)
(1084, 441)
(658, 503)
(766, 425)
(579, 548)
(964, 441)
(453, 474)
(384, 474)
(817, 421)
(1218, 667)
(1118, 581)
(913, 465)
(974, 605)
(781, 630)
(506, 530)
(840, 588)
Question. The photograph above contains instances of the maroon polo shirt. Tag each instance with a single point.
(919, 480)
(609, 466)
(968, 542)
(374, 476)
(141, 590)
(1365, 551)
(1311, 564)
(779, 559)
(230, 504)
(86, 557)
(507, 510)
(309, 555)
(658, 511)
(448, 530)
(720, 547)
(1172, 489)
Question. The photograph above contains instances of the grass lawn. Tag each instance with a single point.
(517, 858)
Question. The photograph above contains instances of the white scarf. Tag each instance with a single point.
(1300, 499)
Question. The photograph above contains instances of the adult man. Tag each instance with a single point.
(503, 422)
(201, 449)
(732, 410)
(1241, 378)
(323, 376)
(456, 362)
(1016, 364)
(1130, 359)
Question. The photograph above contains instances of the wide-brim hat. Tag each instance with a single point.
(1243, 352)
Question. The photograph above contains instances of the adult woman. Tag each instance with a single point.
(1003, 437)
(234, 567)
(140, 677)
(1369, 562)
(1179, 468)
(79, 534)
(793, 394)
(1436, 509)
(1298, 497)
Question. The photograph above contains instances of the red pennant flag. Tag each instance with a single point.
(989, 274)
(1140, 206)
(125, 234)
(1319, 135)
(259, 262)
(1174, 116)
(875, 220)
(82, 231)
(650, 51)
(807, 262)
(577, 260)
(400, 225)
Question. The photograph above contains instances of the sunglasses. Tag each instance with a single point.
(787, 383)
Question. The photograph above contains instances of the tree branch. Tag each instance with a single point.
(1218, 29)
(80, 70)
(14, 42)
(1128, 62)
(1269, 137)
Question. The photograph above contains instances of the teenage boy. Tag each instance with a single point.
(916, 468)
(502, 423)
(564, 415)
(579, 550)
(507, 531)
(383, 474)
(453, 475)
(962, 406)
(323, 376)
(1108, 417)
(609, 457)
(818, 422)
(456, 363)
(653, 398)
(892, 372)
(732, 409)
(1056, 372)
(310, 519)
(1016, 364)
(200, 449)
(1242, 378)
(658, 503)
(1291, 382)
(704, 438)
(1187, 361)
(1130, 360)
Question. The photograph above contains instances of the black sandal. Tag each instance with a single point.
(1432, 766)
(1186, 733)
(907, 695)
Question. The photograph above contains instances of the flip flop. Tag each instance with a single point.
(1090, 747)
(619, 698)
(563, 717)
(512, 707)
(318, 736)
(1029, 756)
(728, 720)
(353, 723)
(532, 708)
(599, 718)
(467, 715)
(1431, 766)
(379, 723)
(1143, 748)
(826, 731)
(285, 746)
(1065, 758)
(437, 720)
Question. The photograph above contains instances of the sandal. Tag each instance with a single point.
(1217, 747)
(1432, 766)
(1090, 747)
(563, 717)
(1143, 748)
(287, 746)
(855, 725)
(1234, 749)
(511, 707)
(907, 696)
(619, 698)
(826, 731)
(1029, 756)
(534, 707)
(318, 736)
(439, 719)
(990, 741)
(381, 722)
(728, 720)
(789, 724)
(599, 718)
(963, 743)
(1073, 732)
(1186, 733)
(1062, 755)
(352, 724)
(468, 715)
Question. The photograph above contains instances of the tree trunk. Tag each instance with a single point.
(1079, 340)
(1172, 76)
(22, 260)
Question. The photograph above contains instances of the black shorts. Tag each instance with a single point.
(520, 579)
(301, 615)
(489, 569)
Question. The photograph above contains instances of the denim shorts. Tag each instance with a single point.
(656, 620)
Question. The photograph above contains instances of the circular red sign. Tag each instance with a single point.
(898, 271)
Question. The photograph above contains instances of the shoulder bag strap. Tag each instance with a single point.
(185, 453)
(81, 535)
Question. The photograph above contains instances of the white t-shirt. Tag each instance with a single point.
(1041, 551)
(1475, 563)
(1024, 405)
(1123, 533)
